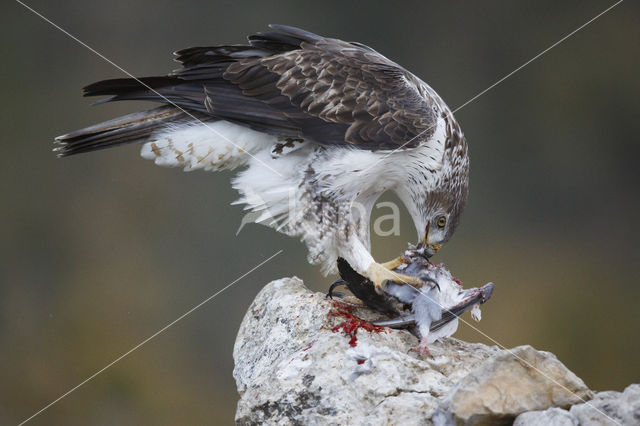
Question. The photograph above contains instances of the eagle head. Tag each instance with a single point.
(437, 218)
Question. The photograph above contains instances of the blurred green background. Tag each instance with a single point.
(100, 251)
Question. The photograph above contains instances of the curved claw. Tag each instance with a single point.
(335, 284)
(431, 280)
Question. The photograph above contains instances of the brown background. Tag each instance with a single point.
(100, 251)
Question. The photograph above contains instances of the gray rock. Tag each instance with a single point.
(606, 408)
(611, 407)
(552, 416)
(294, 364)
(513, 382)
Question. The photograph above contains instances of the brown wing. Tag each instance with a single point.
(342, 83)
(294, 83)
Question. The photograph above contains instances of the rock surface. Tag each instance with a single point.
(609, 407)
(513, 382)
(551, 416)
(302, 359)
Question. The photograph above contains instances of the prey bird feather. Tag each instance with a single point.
(320, 127)
(430, 312)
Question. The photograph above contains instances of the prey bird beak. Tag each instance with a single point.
(428, 250)
(434, 247)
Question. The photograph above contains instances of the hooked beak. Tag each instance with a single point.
(427, 249)
(432, 249)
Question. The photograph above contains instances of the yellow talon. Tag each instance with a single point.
(394, 263)
(379, 274)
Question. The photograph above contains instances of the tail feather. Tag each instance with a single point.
(122, 130)
(199, 87)
(157, 89)
(116, 86)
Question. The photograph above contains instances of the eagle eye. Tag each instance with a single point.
(442, 222)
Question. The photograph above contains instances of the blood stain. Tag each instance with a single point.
(351, 324)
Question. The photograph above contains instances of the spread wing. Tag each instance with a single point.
(291, 82)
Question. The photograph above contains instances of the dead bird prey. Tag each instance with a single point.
(430, 312)
(322, 127)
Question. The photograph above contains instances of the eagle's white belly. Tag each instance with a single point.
(322, 194)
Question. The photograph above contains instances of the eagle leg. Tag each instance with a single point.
(379, 274)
